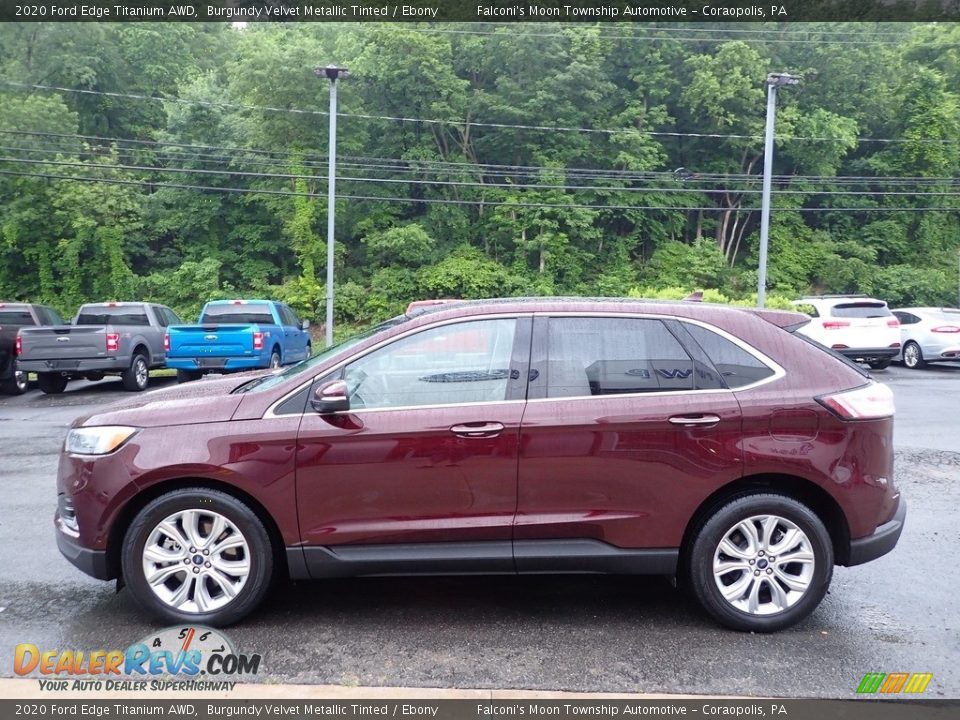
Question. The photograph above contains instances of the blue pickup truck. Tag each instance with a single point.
(235, 335)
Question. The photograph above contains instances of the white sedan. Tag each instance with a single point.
(928, 335)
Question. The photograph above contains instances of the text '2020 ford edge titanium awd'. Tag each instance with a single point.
(518, 436)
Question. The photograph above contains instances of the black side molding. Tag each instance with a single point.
(478, 558)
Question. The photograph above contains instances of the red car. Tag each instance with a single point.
(511, 436)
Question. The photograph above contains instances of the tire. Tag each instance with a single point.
(880, 364)
(275, 359)
(185, 376)
(309, 351)
(94, 376)
(197, 594)
(913, 356)
(771, 611)
(137, 376)
(52, 383)
(16, 385)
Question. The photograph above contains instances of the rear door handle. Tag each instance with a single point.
(477, 430)
(694, 420)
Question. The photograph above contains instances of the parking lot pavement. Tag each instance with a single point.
(594, 633)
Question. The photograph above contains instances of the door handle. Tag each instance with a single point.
(694, 420)
(477, 430)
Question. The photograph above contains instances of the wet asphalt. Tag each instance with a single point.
(900, 613)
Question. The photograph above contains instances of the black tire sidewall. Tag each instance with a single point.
(275, 354)
(129, 376)
(258, 541)
(52, 383)
(715, 527)
(919, 363)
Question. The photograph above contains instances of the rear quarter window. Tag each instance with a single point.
(737, 366)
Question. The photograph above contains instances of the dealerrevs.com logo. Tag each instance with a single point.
(176, 658)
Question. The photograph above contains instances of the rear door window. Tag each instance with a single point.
(113, 315)
(243, 314)
(590, 356)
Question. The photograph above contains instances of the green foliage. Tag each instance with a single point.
(487, 186)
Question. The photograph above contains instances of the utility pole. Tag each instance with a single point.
(774, 81)
(332, 73)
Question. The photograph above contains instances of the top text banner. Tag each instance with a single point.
(497, 11)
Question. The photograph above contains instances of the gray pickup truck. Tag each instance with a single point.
(116, 338)
(15, 316)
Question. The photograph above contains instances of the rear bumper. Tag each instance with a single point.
(868, 354)
(72, 367)
(92, 562)
(883, 540)
(219, 365)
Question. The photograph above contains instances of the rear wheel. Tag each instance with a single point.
(94, 376)
(52, 383)
(761, 563)
(137, 376)
(198, 555)
(16, 385)
(913, 356)
(275, 359)
(184, 376)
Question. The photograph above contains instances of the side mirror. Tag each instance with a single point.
(331, 398)
(304, 324)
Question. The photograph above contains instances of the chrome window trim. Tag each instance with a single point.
(270, 414)
(778, 370)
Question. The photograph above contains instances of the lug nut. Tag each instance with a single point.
(193, 549)
(206, 565)
(769, 571)
(751, 562)
(196, 570)
(186, 561)
(206, 552)
(759, 553)
(756, 572)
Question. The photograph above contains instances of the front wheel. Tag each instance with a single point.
(137, 376)
(913, 356)
(16, 385)
(761, 563)
(198, 555)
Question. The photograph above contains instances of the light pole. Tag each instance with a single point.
(332, 73)
(774, 81)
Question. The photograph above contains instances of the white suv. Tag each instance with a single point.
(859, 327)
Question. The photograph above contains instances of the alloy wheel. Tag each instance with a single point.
(764, 565)
(196, 561)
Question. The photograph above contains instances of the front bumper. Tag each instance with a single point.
(883, 540)
(92, 562)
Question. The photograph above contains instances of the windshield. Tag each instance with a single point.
(305, 366)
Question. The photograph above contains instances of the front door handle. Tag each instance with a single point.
(694, 420)
(477, 430)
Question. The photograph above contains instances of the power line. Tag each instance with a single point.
(445, 201)
(461, 122)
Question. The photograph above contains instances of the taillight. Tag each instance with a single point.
(893, 322)
(166, 342)
(113, 342)
(946, 329)
(835, 324)
(258, 341)
(869, 402)
(19, 347)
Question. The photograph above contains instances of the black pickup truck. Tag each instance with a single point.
(13, 317)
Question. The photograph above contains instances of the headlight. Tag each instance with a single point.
(97, 440)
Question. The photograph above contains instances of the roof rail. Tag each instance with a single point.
(839, 295)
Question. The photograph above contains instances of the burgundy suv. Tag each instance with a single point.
(513, 436)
